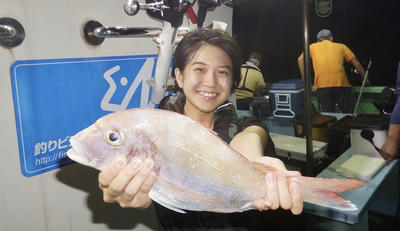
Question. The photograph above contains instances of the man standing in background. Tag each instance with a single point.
(330, 78)
(252, 78)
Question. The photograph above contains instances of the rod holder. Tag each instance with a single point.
(88, 33)
(12, 33)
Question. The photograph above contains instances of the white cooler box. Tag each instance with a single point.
(292, 147)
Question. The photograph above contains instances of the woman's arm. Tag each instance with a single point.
(250, 142)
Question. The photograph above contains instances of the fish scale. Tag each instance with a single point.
(198, 173)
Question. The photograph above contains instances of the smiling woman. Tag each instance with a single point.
(207, 69)
(187, 49)
(206, 81)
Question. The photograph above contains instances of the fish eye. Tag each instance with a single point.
(114, 138)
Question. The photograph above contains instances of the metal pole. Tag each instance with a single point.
(308, 91)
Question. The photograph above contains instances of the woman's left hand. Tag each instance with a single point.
(281, 191)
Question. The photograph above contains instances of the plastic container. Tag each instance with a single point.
(287, 97)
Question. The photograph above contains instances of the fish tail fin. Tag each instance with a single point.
(321, 191)
(324, 191)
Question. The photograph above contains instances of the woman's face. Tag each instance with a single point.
(206, 80)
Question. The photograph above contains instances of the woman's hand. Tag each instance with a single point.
(281, 192)
(128, 183)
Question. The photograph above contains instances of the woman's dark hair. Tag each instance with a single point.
(194, 40)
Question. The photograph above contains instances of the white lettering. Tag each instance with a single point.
(144, 73)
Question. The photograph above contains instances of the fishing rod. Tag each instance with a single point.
(362, 88)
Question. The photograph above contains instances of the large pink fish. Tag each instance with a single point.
(196, 169)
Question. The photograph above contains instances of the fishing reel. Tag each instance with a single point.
(204, 5)
(228, 3)
(171, 11)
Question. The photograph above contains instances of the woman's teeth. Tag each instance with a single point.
(207, 94)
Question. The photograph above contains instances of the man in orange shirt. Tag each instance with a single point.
(330, 78)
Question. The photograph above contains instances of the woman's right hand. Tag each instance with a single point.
(128, 183)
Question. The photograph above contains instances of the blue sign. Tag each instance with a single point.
(54, 99)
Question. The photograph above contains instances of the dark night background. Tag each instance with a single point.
(370, 28)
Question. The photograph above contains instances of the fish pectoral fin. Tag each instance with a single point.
(171, 207)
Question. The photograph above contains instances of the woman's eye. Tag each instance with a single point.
(199, 69)
(223, 72)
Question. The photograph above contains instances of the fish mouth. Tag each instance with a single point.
(73, 155)
(77, 154)
(82, 159)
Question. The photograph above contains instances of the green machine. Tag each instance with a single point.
(366, 105)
